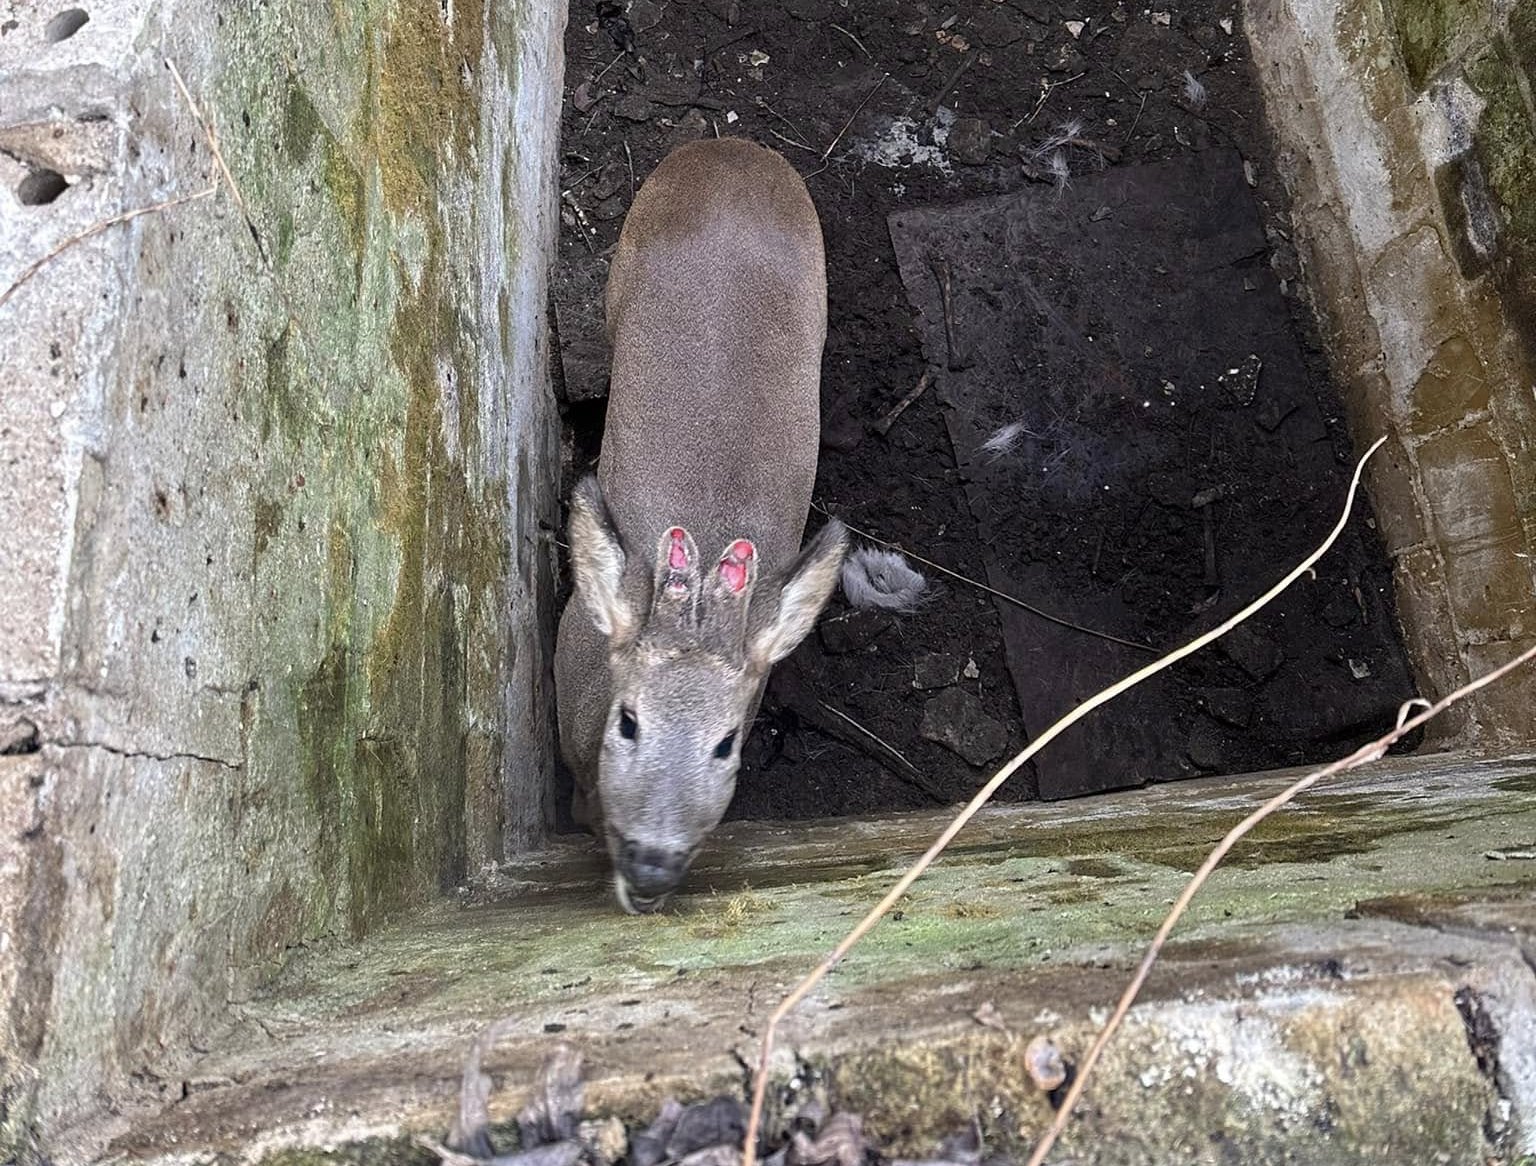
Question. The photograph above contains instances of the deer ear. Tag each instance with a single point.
(675, 588)
(804, 592)
(597, 558)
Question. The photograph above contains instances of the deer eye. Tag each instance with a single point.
(629, 728)
(723, 750)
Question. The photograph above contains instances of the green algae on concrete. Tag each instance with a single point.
(1429, 30)
(1505, 145)
(1291, 1009)
(360, 451)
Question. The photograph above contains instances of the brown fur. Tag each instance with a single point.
(717, 317)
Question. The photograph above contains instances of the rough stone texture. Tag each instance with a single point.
(1350, 988)
(277, 601)
(1408, 141)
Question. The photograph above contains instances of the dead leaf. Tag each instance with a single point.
(841, 1142)
(722, 1155)
(471, 1126)
(708, 1124)
(989, 1016)
(649, 1147)
(555, 1110)
(582, 99)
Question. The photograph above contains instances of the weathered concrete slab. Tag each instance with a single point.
(1290, 1020)
(271, 467)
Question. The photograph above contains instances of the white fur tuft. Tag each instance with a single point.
(882, 579)
(1003, 440)
(1061, 171)
(1194, 91)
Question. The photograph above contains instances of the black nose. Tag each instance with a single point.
(650, 871)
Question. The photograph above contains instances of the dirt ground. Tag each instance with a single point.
(885, 106)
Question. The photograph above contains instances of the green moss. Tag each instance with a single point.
(345, 184)
(427, 102)
(282, 404)
(267, 518)
(1426, 30)
(301, 122)
(1506, 142)
(374, 1152)
(1523, 782)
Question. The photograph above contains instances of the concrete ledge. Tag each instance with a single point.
(1352, 988)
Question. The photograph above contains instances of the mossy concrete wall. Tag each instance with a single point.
(272, 666)
(1407, 135)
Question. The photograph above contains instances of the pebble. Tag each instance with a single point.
(957, 721)
(970, 141)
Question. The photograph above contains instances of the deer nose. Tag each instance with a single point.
(652, 872)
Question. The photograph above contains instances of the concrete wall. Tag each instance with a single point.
(1407, 135)
(274, 596)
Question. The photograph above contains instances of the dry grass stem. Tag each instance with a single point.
(1362, 756)
(855, 40)
(858, 109)
(875, 737)
(984, 795)
(1003, 595)
(95, 229)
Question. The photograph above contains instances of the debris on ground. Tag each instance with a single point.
(551, 1131)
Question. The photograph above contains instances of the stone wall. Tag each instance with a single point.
(1407, 135)
(272, 467)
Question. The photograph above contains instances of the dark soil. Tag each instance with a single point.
(805, 77)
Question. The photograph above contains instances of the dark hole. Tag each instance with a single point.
(41, 187)
(20, 737)
(65, 25)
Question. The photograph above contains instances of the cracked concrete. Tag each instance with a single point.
(1389, 120)
(271, 651)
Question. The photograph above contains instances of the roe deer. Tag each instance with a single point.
(685, 546)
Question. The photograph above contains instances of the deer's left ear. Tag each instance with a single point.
(804, 592)
(597, 559)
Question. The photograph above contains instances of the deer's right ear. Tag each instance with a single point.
(597, 558)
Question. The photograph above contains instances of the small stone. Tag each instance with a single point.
(957, 721)
(611, 208)
(935, 670)
(1230, 706)
(633, 107)
(1204, 746)
(1226, 25)
(1075, 27)
(1067, 59)
(692, 126)
(1340, 611)
(853, 630)
(970, 141)
(644, 15)
(582, 99)
(1254, 653)
(605, 1140)
(1043, 1061)
(1162, 18)
(807, 10)
(970, 672)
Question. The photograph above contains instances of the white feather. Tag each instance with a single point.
(882, 579)
(1194, 91)
(1003, 440)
